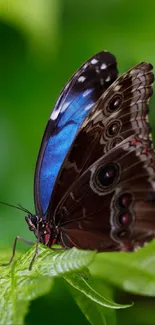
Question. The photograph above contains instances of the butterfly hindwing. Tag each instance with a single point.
(113, 201)
(73, 105)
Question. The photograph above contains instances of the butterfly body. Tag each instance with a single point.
(95, 174)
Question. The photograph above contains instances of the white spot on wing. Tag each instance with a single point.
(81, 79)
(132, 72)
(55, 114)
(103, 66)
(72, 195)
(88, 107)
(85, 65)
(94, 61)
(65, 106)
(67, 85)
(118, 87)
(107, 79)
(87, 92)
(60, 109)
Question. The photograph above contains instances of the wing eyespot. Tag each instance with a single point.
(106, 177)
(122, 218)
(115, 102)
(121, 234)
(125, 219)
(113, 128)
(113, 143)
(125, 200)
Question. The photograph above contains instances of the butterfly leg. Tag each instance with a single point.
(34, 256)
(14, 249)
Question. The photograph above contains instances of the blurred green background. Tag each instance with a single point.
(42, 43)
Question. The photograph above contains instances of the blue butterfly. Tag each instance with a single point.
(95, 173)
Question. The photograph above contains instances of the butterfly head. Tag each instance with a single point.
(46, 233)
(32, 222)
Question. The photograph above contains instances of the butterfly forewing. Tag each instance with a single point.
(73, 105)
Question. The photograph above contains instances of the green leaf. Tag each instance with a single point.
(95, 313)
(16, 292)
(19, 285)
(89, 308)
(82, 285)
(133, 272)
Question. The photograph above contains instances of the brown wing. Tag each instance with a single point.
(120, 112)
(111, 206)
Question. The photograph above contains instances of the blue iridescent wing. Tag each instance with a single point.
(73, 105)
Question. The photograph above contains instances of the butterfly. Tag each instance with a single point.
(94, 185)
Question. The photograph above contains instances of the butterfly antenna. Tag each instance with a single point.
(19, 207)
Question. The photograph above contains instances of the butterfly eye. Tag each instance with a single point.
(125, 200)
(32, 221)
(108, 175)
(115, 102)
(114, 128)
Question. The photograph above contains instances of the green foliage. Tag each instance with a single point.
(134, 273)
(20, 285)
